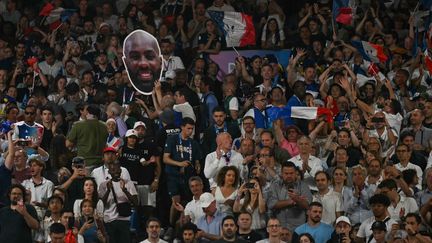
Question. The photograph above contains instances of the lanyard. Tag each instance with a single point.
(227, 157)
(188, 150)
(225, 128)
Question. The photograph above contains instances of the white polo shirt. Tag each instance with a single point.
(405, 205)
(101, 174)
(194, 210)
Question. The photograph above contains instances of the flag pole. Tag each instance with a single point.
(238, 54)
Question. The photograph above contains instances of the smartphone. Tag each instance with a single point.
(71, 222)
(90, 220)
(23, 143)
(250, 185)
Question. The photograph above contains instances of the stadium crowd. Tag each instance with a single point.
(210, 155)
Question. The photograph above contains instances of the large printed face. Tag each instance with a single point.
(142, 59)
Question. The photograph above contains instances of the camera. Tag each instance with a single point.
(250, 185)
(23, 143)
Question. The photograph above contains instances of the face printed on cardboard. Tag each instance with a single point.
(143, 60)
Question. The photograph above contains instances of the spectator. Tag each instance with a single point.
(188, 233)
(55, 207)
(245, 232)
(57, 233)
(210, 223)
(400, 205)
(330, 200)
(229, 229)
(289, 197)
(40, 188)
(116, 193)
(89, 136)
(91, 194)
(223, 156)
(342, 230)
(89, 228)
(379, 204)
(153, 227)
(101, 174)
(193, 211)
(274, 231)
(18, 219)
(321, 232)
(258, 112)
(225, 192)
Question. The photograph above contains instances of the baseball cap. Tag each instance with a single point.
(343, 219)
(104, 24)
(379, 225)
(206, 199)
(139, 123)
(110, 149)
(131, 132)
(110, 120)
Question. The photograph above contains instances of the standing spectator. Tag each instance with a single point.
(90, 194)
(289, 197)
(307, 163)
(209, 42)
(101, 174)
(379, 204)
(258, 112)
(400, 205)
(89, 136)
(330, 200)
(221, 157)
(403, 152)
(181, 158)
(227, 181)
(321, 232)
(209, 103)
(423, 135)
(171, 62)
(40, 189)
(18, 219)
(118, 196)
(114, 111)
(29, 129)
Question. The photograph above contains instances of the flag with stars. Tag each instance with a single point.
(370, 52)
(237, 27)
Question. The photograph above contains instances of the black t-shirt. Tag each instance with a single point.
(13, 227)
(75, 191)
(163, 133)
(253, 236)
(130, 159)
(238, 240)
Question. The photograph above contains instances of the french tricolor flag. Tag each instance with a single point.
(370, 52)
(237, 27)
(300, 112)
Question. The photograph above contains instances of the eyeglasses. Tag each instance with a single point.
(248, 123)
(29, 113)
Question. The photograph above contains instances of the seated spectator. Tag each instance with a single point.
(330, 200)
(57, 233)
(342, 230)
(229, 229)
(55, 207)
(210, 223)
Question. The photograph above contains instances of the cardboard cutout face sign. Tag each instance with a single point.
(143, 61)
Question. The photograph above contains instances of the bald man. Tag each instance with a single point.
(223, 156)
(142, 59)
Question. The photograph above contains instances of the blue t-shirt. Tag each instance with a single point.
(321, 233)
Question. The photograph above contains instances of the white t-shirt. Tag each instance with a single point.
(365, 228)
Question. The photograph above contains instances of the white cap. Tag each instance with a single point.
(206, 199)
(343, 219)
(139, 123)
(131, 132)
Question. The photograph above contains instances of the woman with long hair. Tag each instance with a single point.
(89, 223)
(273, 36)
(90, 194)
(339, 184)
(226, 191)
(250, 198)
(58, 96)
(180, 36)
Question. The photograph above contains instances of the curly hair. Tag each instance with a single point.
(220, 179)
